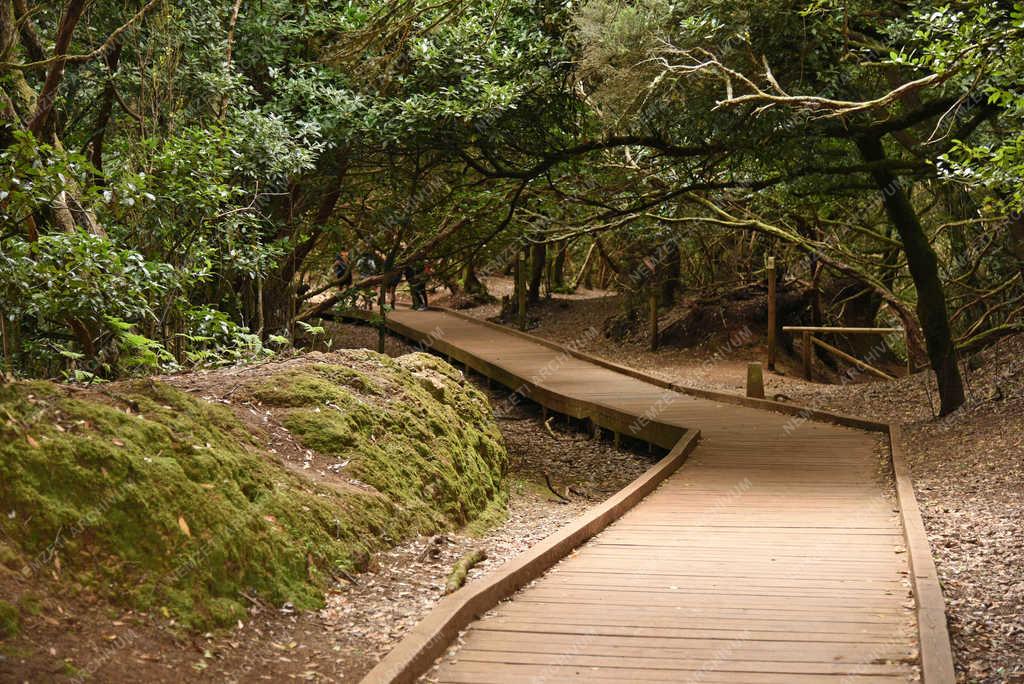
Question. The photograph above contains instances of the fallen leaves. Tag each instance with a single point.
(183, 525)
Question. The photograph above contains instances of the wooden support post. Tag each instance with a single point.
(807, 355)
(382, 330)
(521, 290)
(618, 439)
(653, 313)
(910, 352)
(772, 313)
(755, 381)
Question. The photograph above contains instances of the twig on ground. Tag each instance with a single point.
(547, 479)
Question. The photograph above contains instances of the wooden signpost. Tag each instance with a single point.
(653, 322)
(772, 312)
(521, 290)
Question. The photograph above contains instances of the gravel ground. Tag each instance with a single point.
(968, 468)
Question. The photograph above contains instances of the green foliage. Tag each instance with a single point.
(80, 278)
(216, 340)
(243, 157)
(33, 174)
(137, 352)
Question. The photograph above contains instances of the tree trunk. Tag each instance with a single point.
(584, 277)
(559, 267)
(670, 274)
(471, 283)
(924, 268)
(538, 259)
(44, 106)
(1016, 243)
(29, 38)
(8, 34)
(103, 116)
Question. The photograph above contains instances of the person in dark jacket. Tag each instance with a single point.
(342, 269)
(418, 273)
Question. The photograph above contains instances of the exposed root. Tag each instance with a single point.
(458, 576)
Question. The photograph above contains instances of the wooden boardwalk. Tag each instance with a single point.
(775, 554)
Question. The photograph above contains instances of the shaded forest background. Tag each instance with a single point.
(176, 178)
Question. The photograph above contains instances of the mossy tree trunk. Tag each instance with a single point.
(1017, 241)
(924, 269)
(670, 274)
(559, 265)
(471, 283)
(538, 260)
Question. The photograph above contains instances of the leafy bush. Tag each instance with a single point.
(83, 283)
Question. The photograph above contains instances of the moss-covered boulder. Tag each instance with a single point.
(156, 498)
(411, 427)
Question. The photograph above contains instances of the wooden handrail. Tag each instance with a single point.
(852, 359)
(808, 339)
(840, 330)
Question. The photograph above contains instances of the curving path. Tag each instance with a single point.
(775, 553)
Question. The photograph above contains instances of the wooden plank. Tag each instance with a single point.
(805, 349)
(502, 673)
(680, 664)
(736, 633)
(776, 651)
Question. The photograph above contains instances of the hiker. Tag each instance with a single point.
(342, 269)
(371, 263)
(367, 264)
(418, 273)
(391, 283)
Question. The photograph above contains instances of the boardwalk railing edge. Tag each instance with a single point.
(763, 404)
(936, 656)
(416, 652)
(936, 652)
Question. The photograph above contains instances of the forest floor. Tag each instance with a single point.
(967, 468)
(968, 472)
(87, 639)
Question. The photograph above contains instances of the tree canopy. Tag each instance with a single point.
(172, 174)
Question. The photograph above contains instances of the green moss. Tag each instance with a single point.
(10, 623)
(177, 508)
(9, 558)
(69, 669)
(494, 515)
(424, 437)
(31, 604)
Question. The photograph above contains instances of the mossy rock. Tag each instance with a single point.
(423, 436)
(174, 506)
(10, 621)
